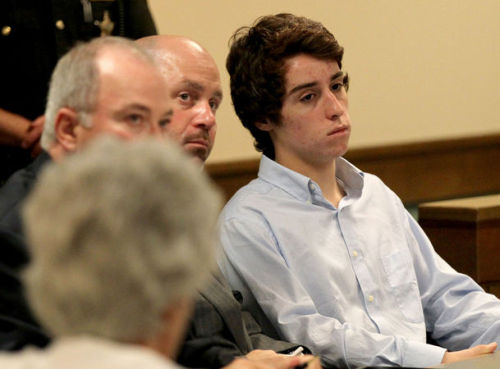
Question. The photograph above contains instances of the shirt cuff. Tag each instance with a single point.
(422, 355)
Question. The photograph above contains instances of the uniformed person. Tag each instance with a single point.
(33, 35)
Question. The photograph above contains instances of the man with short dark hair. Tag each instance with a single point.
(323, 250)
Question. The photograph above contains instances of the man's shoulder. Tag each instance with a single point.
(24, 178)
(252, 197)
(15, 190)
(12, 194)
(375, 187)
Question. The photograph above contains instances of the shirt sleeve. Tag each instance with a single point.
(253, 263)
(458, 313)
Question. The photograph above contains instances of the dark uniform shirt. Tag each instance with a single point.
(34, 34)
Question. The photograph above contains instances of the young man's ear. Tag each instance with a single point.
(64, 126)
(264, 126)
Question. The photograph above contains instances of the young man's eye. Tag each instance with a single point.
(337, 86)
(307, 98)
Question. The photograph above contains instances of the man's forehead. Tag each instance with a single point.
(122, 61)
(133, 82)
(303, 68)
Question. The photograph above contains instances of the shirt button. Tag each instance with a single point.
(6, 30)
(371, 298)
(312, 187)
(355, 253)
(60, 25)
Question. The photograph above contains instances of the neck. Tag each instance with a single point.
(322, 174)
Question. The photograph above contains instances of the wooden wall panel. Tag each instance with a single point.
(417, 172)
(466, 233)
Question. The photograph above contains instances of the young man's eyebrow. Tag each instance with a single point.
(337, 75)
(302, 87)
(314, 83)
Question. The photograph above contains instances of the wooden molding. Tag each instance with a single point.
(417, 172)
(465, 233)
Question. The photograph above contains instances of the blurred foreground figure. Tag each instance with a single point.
(121, 234)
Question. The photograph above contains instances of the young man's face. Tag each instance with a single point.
(315, 124)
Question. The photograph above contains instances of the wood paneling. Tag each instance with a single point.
(466, 233)
(417, 172)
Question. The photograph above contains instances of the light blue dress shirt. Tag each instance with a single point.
(359, 284)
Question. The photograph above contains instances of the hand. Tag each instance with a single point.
(269, 359)
(13, 128)
(313, 362)
(275, 362)
(31, 139)
(451, 357)
(261, 355)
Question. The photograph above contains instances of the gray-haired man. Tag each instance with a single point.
(106, 86)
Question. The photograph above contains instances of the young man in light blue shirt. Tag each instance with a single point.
(323, 251)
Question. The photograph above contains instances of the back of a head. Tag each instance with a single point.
(74, 82)
(256, 66)
(118, 232)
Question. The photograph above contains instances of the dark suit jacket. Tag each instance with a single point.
(17, 325)
(221, 331)
(15, 190)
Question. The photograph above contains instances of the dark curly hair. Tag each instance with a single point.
(256, 65)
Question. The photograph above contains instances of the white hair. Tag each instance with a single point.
(118, 232)
(75, 81)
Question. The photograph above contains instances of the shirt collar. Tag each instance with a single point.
(299, 186)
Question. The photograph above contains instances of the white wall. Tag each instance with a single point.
(420, 69)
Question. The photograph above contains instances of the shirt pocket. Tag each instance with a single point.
(403, 285)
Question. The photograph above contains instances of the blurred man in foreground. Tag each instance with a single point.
(121, 235)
